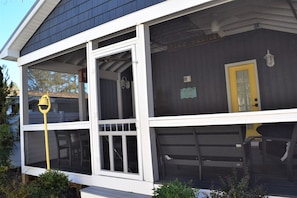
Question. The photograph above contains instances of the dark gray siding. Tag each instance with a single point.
(73, 16)
(205, 63)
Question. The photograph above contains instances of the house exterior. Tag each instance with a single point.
(153, 64)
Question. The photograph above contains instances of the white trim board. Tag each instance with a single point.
(268, 116)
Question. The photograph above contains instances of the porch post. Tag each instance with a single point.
(119, 95)
(24, 106)
(23, 100)
(82, 104)
(93, 105)
(141, 99)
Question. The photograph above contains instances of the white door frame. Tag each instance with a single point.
(94, 74)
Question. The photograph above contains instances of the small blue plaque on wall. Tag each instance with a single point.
(189, 92)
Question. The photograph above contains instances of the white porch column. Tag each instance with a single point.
(82, 103)
(24, 113)
(23, 98)
(141, 74)
(119, 95)
(94, 94)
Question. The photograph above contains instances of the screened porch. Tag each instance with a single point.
(194, 78)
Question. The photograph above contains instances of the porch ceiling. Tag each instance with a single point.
(67, 63)
(227, 19)
(76, 60)
(200, 27)
(241, 16)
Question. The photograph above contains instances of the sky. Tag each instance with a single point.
(12, 13)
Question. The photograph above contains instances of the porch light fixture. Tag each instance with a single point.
(125, 83)
(269, 59)
(44, 106)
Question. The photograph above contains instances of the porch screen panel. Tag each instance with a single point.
(117, 153)
(132, 154)
(105, 159)
(68, 94)
(108, 99)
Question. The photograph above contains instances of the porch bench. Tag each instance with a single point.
(209, 146)
(177, 146)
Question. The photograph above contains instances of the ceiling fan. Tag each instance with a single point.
(215, 25)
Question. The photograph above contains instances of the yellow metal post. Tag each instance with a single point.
(46, 142)
(44, 106)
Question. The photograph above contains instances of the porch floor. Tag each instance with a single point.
(271, 176)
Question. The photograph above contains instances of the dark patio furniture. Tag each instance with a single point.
(212, 146)
(279, 142)
(68, 146)
(177, 146)
(84, 140)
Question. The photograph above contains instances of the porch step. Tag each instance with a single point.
(98, 192)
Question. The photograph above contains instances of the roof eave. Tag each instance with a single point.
(10, 55)
(31, 22)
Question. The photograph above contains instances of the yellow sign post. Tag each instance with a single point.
(44, 106)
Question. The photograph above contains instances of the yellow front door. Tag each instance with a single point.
(242, 84)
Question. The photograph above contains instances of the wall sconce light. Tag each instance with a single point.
(125, 83)
(269, 59)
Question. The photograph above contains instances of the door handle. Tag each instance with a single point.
(256, 104)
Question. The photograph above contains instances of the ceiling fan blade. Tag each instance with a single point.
(229, 20)
(197, 29)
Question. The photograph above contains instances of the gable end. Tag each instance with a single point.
(71, 17)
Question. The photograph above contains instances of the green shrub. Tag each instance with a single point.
(6, 144)
(174, 189)
(237, 187)
(50, 184)
(11, 185)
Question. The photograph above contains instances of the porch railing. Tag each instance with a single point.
(118, 140)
